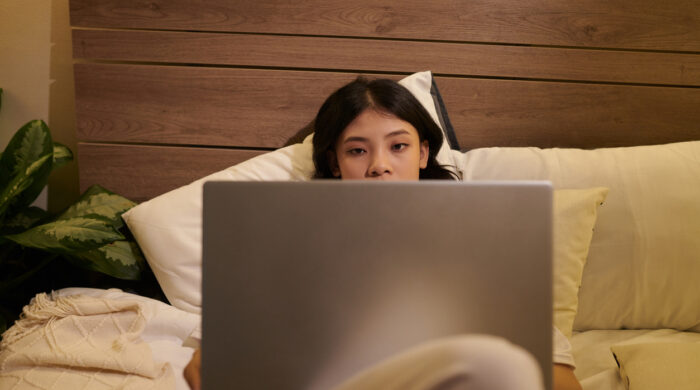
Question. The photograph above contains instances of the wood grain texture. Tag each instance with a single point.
(197, 106)
(140, 172)
(369, 55)
(264, 108)
(252, 74)
(642, 24)
(523, 113)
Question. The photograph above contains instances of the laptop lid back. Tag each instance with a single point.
(307, 283)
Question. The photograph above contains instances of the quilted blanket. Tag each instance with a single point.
(80, 342)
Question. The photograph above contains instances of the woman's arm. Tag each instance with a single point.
(192, 372)
(564, 378)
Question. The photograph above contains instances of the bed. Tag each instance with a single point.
(595, 94)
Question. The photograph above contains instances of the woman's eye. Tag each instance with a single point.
(356, 151)
(398, 147)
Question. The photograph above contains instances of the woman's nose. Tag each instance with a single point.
(379, 165)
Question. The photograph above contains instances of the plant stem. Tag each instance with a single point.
(9, 285)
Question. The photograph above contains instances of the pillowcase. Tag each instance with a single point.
(168, 228)
(642, 266)
(574, 217)
(423, 87)
(658, 365)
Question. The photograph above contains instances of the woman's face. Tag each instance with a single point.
(378, 145)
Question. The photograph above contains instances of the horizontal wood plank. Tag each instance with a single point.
(140, 172)
(641, 24)
(197, 106)
(265, 108)
(523, 113)
(369, 55)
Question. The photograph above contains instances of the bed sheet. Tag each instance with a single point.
(596, 368)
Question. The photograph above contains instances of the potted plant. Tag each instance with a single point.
(40, 251)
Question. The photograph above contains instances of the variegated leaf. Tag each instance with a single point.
(10, 192)
(97, 201)
(25, 165)
(61, 155)
(31, 142)
(19, 184)
(121, 259)
(23, 220)
(68, 235)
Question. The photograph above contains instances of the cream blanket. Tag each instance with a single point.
(80, 342)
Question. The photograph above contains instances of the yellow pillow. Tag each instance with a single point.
(658, 365)
(574, 217)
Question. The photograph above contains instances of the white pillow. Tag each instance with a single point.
(644, 259)
(419, 84)
(168, 228)
(574, 217)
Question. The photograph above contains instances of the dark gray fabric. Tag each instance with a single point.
(443, 117)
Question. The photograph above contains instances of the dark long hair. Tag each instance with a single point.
(345, 104)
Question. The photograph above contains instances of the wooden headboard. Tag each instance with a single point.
(168, 91)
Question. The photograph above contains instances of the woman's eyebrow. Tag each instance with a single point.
(397, 132)
(355, 139)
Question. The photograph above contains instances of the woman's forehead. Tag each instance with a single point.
(377, 123)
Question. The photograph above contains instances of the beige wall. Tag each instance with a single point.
(37, 79)
(63, 184)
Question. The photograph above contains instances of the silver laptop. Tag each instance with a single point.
(307, 283)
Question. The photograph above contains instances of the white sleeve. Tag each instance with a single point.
(562, 349)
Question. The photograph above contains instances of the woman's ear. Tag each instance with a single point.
(333, 163)
(424, 154)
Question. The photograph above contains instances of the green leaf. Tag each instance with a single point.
(97, 201)
(23, 220)
(68, 235)
(121, 259)
(25, 166)
(62, 155)
(20, 190)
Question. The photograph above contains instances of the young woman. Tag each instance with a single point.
(377, 130)
(369, 107)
